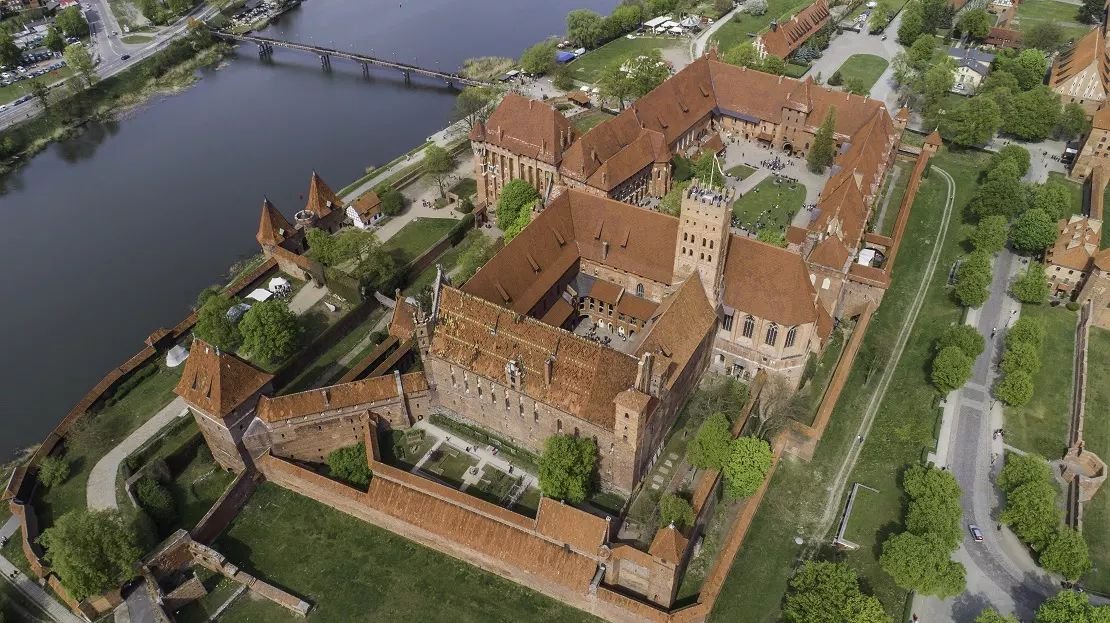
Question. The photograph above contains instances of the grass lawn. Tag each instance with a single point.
(448, 260)
(407, 449)
(449, 464)
(1032, 12)
(863, 67)
(220, 589)
(13, 551)
(1073, 187)
(1096, 435)
(494, 486)
(136, 39)
(905, 425)
(19, 608)
(1042, 425)
(864, 498)
(416, 237)
(528, 503)
(98, 434)
(738, 29)
(197, 486)
(384, 577)
(811, 393)
(740, 171)
(328, 363)
(584, 121)
(466, 187)
(905, 169)
(23, 87)
(589, 66)
(779, 200)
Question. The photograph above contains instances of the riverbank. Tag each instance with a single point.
(168, 71)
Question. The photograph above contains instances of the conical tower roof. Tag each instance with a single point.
(321, 199)
(273, 228)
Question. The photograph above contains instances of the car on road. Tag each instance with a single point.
(976, 533)
(125, 57)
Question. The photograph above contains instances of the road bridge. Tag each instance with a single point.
(266, 47)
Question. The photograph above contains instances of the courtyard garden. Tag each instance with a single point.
(589, 67)
(743, 26)
(584, 122)
(906, 423)
(1096, 436)
(1041, 426)
(416, 237)
(862, 69)
(448, 464)
(385, 577)
(896, 190)
(772, 203)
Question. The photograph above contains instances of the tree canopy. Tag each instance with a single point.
(749, 461)
(1032, 285)
(973, 280)
(214, 326)
(53, 471)
(991, 616)
(72, 22)
(1021, 357)
(675, 510)
(1090, 11)
(77, 57)
(516, 196)
(91, 551)
(1030, 509)
(951, 369)
(1001, 194)
(1012, 153)
(1054, 198)
(472, 104)
(991, 233)
(1026, 329)
(539, 59)
(934, 507)
(1066, 554)
(1016, 389)
(965, 337)
(567, 467)
(976, 23)
(54, 39)
(10, 53)
(270, 331)
(584, 28)
(1033, 231)
(1027, 66)
(1033, 114)
(710, 448)
(1073, 121)
(823, 150)
(438, 164)
(1071, 607)
(350, 465)
(827, 592)
(973, 122)
(923, 564)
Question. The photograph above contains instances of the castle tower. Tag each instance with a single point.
(703, 237)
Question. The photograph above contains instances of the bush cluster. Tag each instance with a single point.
(956, 351)
(1020, 362)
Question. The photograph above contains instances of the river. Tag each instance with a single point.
(111, 235)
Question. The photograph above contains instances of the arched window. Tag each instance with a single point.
(640, 290)
(772, 334)
(791, 335)
(749, 326)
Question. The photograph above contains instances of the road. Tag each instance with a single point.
(110, 49)
(850, 43)
(1000, 572)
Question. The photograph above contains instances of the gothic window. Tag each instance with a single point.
(749, 326)
(791, 335)
(772, 334)
(727, 324)
(640, 290)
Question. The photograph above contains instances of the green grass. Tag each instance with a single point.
(1096, 436)
(737, 30)
(448, 260)
(809, 396)
(198, 485)
(741, 171)
(327, 365)
(416, 237)
(860, 507)
(98, 433)
(13, 552)
(1074, 188)
(220, 589)
(384, 577)
(1042, 425)
(590, 66)
(23, 87)
(494, 486)
(18, 607)
(779, 200)
(528, 503)
(466, 187)
(904, 426)
(136, 39)
(891, 215)
(373, 172)
(1032, 12)
(448, 464)
(408, 449)
(585, 121)
(865, 68)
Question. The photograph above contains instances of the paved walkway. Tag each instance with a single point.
(1040, 157)
(100, 492)
(700, 42)
(851, 43)
(29, 588)
(306, 297)
(482, 453)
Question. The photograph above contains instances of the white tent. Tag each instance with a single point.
(235, 312)
(260, 295)
(277, 282)
(657, 21)
(867, 256)
(176, 356)
(690, 22)
(676, 30)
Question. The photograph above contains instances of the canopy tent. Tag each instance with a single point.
(235, 312)
(669, 24)
(657, 21)
(176, 356)
(277, 282)
(260, 295)
(676, 30)
(563, 56)
(690, 22)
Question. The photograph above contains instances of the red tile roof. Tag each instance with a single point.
(1076, 243)
(580, 530)
(787, 37)
(332, 398)
(768, 282)
(526, 127)
(321, 199)
(217, 382)
(273, 228)
(668, 545)
(683, 320)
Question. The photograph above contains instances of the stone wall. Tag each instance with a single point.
(224, 511)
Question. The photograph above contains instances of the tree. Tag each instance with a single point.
(54, 39)
(1091, 11)
(676, 511)
(1032, 285)
(934, 508)
(214, 326)
(539, 59)
(1026, 329)
(912, 26)
(156, 500)
(749, 460)
(645, 72)
(1066, 554)
(1032, 115)
(472, 104)
(1046, 36)
(77, 57)
(1031, 511)
(1016, 389)
(1071, 607)
(438, 164)
(584, 28)
(743, 55)
(937, 81)
(756, 7)
(976, 24)
(922, 564)
(1033, 231)
(823, 151)
(857, 86)
(1000, 195)
(827, 592)
(566, 467)
(516, 196)
(951, 369)
(1016, 154)
(270, 331)
(350, 465)
(881, 15)
(393, 202)
(973, 280)
(53, 471)
(990, 234)
(1022, 469)
(561, 78)
(1028, 66)
(1073, 120)
(614, 84)
(772, 236)
(773, 65)
(474, 257)
(990, 616)
(711, 447)
(10, 53)
(72, 22)
(93, 550)
(922, 52)
(1054, 198)
(40, 92)
(974, 122)
(1021, 357)
(517, 226)
(964, 337)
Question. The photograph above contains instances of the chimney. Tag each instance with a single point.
(500, 133)
(604, 249)
(543, 145)
(547, 365)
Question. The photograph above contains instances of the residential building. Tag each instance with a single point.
(972, 67)
(366, 210)
(1068, 261)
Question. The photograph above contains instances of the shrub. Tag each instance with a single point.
(951, 369)
(710, 447)
(1072, 306)
(675, 510)
(1016, 389)
(350, 465)
(749, 461)
(53, 471)
(156, 500)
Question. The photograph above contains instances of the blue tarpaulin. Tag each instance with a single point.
(564, 57)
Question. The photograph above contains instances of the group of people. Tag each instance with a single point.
(775, 164)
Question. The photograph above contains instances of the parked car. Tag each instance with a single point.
(976, 533)
(125, 57)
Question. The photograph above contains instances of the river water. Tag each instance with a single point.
(108, 236)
